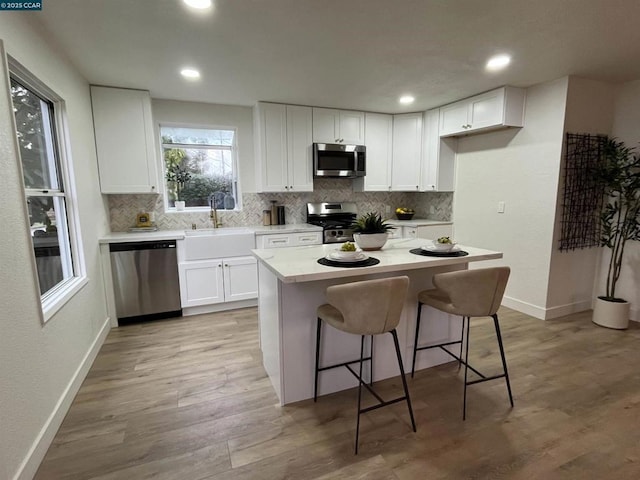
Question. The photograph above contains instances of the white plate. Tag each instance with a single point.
(358, 257)
(433, 248)
(341, 254)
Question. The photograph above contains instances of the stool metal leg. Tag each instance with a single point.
(504, 361)
(415, 342)
(404, 380)
(461, 342)
(371, 363)
(359, 391)
(315, 383)
(466, 369)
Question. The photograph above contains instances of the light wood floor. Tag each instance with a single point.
(187, 399)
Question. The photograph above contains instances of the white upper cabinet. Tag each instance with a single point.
(378, 138)
(407, 152)
(283, 148)
(438, 156)
(500, 108)
(338, 126)
(125, 140)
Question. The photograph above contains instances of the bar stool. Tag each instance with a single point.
(468, 293)
(370, 307)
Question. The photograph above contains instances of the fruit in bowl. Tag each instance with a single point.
(348, 247)
(403, 213)
(443, 244)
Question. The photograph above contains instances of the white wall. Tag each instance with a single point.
(208, 114)
(520, 167)
(626, 127)
(572, 274)
(38, 364)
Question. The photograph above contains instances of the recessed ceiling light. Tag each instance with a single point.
(498, 62)
(199, 4)
(406, 99)
(190, 73)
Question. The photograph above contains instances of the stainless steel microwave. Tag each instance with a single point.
(337, 160)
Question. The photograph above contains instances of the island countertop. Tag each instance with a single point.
(300, 264)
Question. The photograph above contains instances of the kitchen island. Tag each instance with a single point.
(292, 284)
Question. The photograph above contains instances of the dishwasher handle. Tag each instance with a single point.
(130, 246)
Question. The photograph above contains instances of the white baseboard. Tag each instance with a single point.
(36, 453)
(218, 307)
(544, 313)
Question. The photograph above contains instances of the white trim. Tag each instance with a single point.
(544, 313)
(219, 307)
(56, 298)
(36, 453)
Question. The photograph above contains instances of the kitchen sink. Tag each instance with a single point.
(218, 243)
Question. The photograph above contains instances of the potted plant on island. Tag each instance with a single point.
(370, 232)
(619, 174)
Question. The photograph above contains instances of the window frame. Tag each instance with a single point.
(234, 159)
(56, 297)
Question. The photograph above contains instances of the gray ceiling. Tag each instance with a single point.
(357, 54)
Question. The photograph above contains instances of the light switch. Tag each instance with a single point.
(500, 207)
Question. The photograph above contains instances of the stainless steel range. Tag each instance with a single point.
(334, 218)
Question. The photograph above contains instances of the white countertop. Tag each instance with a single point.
(121, 237)
(299, 264)
(417, 222)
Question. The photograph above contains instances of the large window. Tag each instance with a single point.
(38, 133)
(200, 167)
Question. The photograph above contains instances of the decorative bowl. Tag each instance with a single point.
(370, 241)
(404, 216)
(441, 247)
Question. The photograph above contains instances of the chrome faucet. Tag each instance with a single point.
(213, 215)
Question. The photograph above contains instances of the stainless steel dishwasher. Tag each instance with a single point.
(145, 280)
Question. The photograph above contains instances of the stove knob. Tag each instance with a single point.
(340, 232)
(333, 233)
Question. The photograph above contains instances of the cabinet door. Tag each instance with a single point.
(240, 278)
(486, 110)
(326, 125)
(125, 140)
(378, 138)
(407, 152)
(454, 118)
(201, 283)
(433, 232)
(438, 156)
(271, 152)
(299, 140)
(352, 127)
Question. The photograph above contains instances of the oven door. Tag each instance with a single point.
(336, 160)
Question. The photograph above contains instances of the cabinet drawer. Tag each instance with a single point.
(312, 238)
(277, 241)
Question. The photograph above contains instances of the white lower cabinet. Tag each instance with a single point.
(206, 282)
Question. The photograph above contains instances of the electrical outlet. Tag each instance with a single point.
(432, 209)
(387, 209)
(500, 207)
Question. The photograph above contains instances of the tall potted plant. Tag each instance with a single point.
(370, 232)
(619, 173)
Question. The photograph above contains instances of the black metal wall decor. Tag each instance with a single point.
(583, 196)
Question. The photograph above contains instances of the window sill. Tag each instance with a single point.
(198, 210)
(54, 301)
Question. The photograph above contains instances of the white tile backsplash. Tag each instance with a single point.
(124, 208)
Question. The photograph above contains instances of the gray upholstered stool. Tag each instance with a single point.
(370, 307)
(468, 293)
